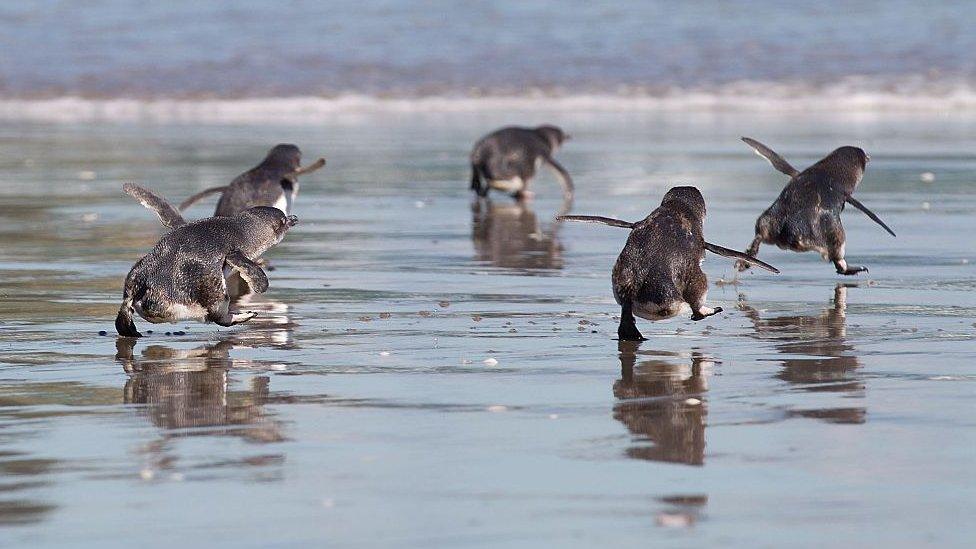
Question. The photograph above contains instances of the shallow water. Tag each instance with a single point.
(121, 48)
(359, 409)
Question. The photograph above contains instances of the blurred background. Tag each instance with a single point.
(785, 54)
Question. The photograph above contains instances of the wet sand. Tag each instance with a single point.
(425, 372)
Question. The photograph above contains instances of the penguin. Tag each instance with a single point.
(507, 159)
(184, 276)
(273, 182)
(658, 274)
(806, 215)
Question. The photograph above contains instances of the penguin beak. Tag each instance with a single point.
(291, 220)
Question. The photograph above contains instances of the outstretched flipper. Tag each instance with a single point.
(564, 178)
(200, 195)
(597, 219)
(850, 200)
(715, 249)
(776, 160)
(168, 215)
(249, 270)
(308, 169)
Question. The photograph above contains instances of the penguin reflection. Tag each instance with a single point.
(188, 388)
(655, 407)
(820, 358)
(509, 235)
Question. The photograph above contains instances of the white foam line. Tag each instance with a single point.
(850, 95)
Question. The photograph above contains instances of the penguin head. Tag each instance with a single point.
(845, 166)
(849, 156)
(283, 156)
(553, 134)
(266, 226)
(687, 199)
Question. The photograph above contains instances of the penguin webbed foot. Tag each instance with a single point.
(627, 330)
(241, 318)
(852, 270)
(699, 315)
(125, 326)
(231, 319)
(629, 333)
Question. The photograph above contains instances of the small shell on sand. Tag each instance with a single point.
(674, 520)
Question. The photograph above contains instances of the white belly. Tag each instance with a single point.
(283, 203)
(512, 185)
(174, 313)
(653, 311)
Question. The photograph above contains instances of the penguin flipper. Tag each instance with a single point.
(202, 194)
(314, 166)
(715, 249)
(564, 178)
(776, 160)
(597, 219)
(850, 200)
(250, 271)
(168, 216)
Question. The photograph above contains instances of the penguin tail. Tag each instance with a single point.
(123, 322)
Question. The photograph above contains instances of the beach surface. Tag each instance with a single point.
(425, 372)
